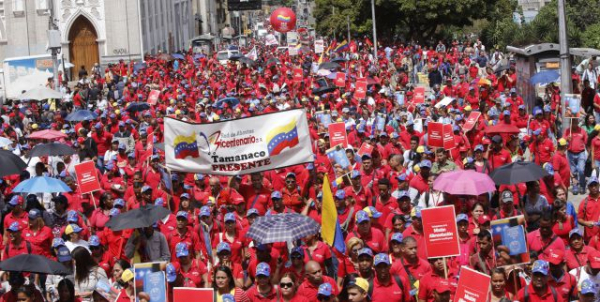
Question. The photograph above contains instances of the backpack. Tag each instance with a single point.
(526, 294)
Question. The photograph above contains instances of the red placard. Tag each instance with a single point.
(337, 135)
(448, 138)
(340, 79)
(471, 120)
(361, 89)
(193, 294)
(298, 75)
(441, 233)
(435, 135)
(365, 149)
(419, 95)
(87, 177)
(153, 97)
(473, 286)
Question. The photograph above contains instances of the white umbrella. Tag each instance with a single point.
(40, 93)
(27, 82)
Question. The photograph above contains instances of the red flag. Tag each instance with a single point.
(368, 41)
(353, 47)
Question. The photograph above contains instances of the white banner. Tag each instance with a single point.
(239, 146)
(319, 46)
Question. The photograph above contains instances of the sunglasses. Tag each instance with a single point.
(290, 181)
(286, 285)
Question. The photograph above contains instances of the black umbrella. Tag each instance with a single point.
(329, 65)
(323, 90)
(10, 163)
(29, 263)
(339, 60)
(137, 218)
(247, 61)
(51, 149)
(272, 61)
(235, 57)
(137, 106)
(518, 172)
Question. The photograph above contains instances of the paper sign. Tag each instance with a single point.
(298, 75)
(271, 40)
(361, 89)
(155, 286)
(319, 46)
(444, 102)
(337, 155)
(448, 138)
(292, 38)
(441, 232)
(338, 135)
(87, 177)
(509, 241)
(435, 134)
(471, 120)
(193, 294)
(365, 149)
(324, 118)
(574, 103)
(153, 97)
(340, 79)
(473, 286)
(293, 51)
(419, 95)
(150, 268)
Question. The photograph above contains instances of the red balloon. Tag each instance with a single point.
(283, 19)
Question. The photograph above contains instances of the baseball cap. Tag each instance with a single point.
(479, 148)
(182, 214)
(537, 131)
(252, 211)
(425, 164)
(362, 216)
(549, 168)
(416, 212)
(228, 298)
(483, 219)
(575, 231)
(587, 287)
(181, 250)
(198, 176)
(507, 196)
(340, 194)
(537, 111)
(17, 200)
(58, 242)
(297, 250)
(72, 216)
(146, 189)
(402, 177)
(94, 241)
(381, 258)
(204, 211)
(159, 202)
(397, 237)
(324, 289)
(497, 139)
(171, 272)
(506, 112)
(398, 194)
(462, 217)
(34, 214)
(14, 227)
(562, 142)
(592, 180)
(119, 202)
(63, 254)
(223, 246)
(372, 211)
(365, 251)
(355, 174)
(555, 257)
(521, 107)
(361, 283)
(441, 287)
(127, 275)
(276, 195)
(263, 269)
(185, 195)
(72, 228)
(541, 266)
(114, 212)
(229, 217)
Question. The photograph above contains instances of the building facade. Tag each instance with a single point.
(95, 31)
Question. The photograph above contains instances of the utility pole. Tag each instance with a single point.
(333, 16)
(374, 31)
(348, 22)
(565, 60)
(54, 44)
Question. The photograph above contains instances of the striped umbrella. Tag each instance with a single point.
(282, 228)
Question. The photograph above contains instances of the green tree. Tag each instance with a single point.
(591, 36)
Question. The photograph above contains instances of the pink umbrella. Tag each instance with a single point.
(464, 182)
(47, 134)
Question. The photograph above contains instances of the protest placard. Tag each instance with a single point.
(441, 233)
(365, 148)
(298, 75)
(473, 286)
(193, 294)
(338, 135)
(149, 277)
(87, 177)
(435, 135)
(419, 95)
(448, 137)
(319, 46)
(340, 79)
(361, 89)
(509, 239)
(471, 120)
(337, 155)
(153, 97)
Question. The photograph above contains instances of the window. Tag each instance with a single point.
(19, 7)
(41, 4)
(1, 7)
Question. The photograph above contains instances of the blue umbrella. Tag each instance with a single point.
(42, 184)
(230, 100)
(199, 56)
(545, 77)
(81, 115)
(178, 56)
(139, 66)
(137, 106)
(282, 228)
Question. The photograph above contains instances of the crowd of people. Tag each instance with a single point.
(378, 200)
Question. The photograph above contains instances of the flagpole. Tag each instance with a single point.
(374, 31)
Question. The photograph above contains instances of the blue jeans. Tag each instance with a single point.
(100, 163)
(577, 164)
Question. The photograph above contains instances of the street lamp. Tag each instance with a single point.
(374, 31)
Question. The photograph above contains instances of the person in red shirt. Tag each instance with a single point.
(542, 148)
(539, 290)
(103, 141)
(127, 294)
(388, 287)
(17, 214)
(577, 139)
(262, 290)
(420, 182)
(483, 260)
(498, 155)
(435, 276)
(194, 271)
(410, 263)
(372, 237)
(256, 194)
(17, 245)
(292, 194)
(39, 235)
(415, 230)
(314, 278)
(183, 233)
(577, 254)
(543, 239)
(564, 283)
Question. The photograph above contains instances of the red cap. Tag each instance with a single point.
(594, 260)
(555, 257)
(441, 287)
(80, 140)
(483, 219)
(321, 169)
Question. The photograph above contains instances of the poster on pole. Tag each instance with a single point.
(365, 149)
(471, 121)
(337, 155)
(509, 239)
(298, 75)
(87, 177)
(361, 89)
(340, 79)
(449, 142)
(338, 135)
(319, 46)
(573, 104)
(149, 277)
(441, 232)
(473, 286)
(292, 38)
(153, 97)
(193, 294)
(435, 135)
(419, 95)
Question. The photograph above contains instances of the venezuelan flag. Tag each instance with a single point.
(330, 226)
(282, 137)
(283, 18)
(343, 46)
(186, 146)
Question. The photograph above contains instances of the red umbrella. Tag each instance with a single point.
(502, 128)
(47, 134)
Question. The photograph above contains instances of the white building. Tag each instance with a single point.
(95, 31)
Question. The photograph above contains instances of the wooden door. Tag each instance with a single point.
(83, 46)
